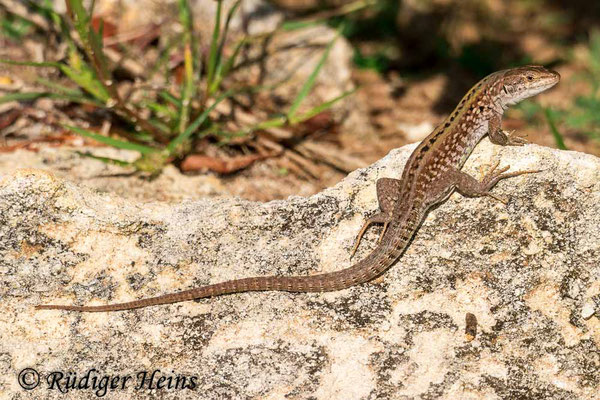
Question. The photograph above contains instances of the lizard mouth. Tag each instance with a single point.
(549, 79)
(552, 79)
(544, 81)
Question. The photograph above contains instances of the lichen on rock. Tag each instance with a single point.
(528, 272)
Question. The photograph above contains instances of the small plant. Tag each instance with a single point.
(176, 118)
(14, 27)
(584, 114)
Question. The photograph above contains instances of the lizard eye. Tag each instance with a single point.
(529, 78)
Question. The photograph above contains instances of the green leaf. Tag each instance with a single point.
(322, 107)
(175, 143)
(311, 80)
(557, 136)
(120, 144)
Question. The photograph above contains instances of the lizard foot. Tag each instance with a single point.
(379, 218)
(514, 140)
(494, 176)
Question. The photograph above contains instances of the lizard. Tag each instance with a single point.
(431, 174)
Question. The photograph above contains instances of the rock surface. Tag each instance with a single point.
(529, 272)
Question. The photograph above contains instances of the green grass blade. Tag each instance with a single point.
(80, 73)
(46, 10)
(186, 19)
(188, 87)
(296, 25)
(15, 26)
(274, 122)
(120, 144)
(31, 63)
(322, 107)
(213, 56)
(80, 18)
(221, 72)
(557, 136)
(174, 144)
(325, 16)
(97, 53)
(592, 134)
(92, 5)
(105, 160)
(164, 56)
(162, 111)
(22, 96)
(58, 87)
(230, 63)
(168, 97)
(306, 88)
(230, 15)
(36, 95)
(160, 125)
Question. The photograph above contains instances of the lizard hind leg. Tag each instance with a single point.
(379, 218)
(388, 190)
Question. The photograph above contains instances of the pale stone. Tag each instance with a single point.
(399, 338)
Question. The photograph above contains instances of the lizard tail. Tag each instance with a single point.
(365, 270)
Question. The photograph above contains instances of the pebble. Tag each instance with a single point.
(588, 310)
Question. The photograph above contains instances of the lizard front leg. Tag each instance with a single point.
(469, 186)
(388, 190)
(501, 137)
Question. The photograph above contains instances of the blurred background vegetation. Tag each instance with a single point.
(176, 91)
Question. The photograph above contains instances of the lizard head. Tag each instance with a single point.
(520, 83)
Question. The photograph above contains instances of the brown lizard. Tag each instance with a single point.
(431, 174)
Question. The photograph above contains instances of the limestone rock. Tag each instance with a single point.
(524, 270)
